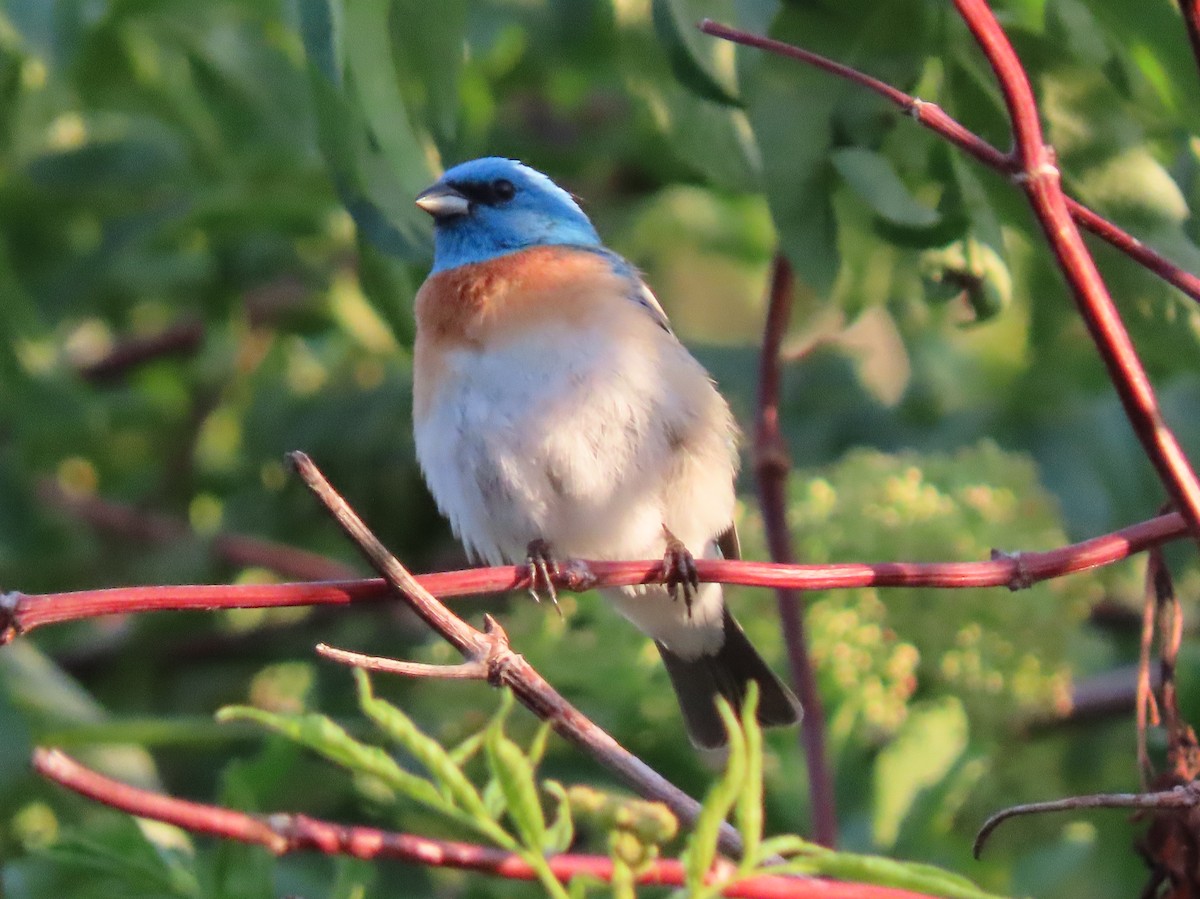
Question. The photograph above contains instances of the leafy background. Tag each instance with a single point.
(242, 173)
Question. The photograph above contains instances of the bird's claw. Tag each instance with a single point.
(543, 569)
(679, 571)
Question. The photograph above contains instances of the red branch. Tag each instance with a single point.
(1032, 166)
(936, 120)
(1040, 179)
(771, 467)
(505, 667)
(21, 613)
(284, 833)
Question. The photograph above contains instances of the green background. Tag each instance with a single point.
(243, 172)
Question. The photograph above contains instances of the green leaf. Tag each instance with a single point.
(537, 746)
(377, 163)
(693, 55)
(436, 760)
(871, 176)
(369, 62)
(467, 749)
(882, 871)
(927, 747)
(790, 844)
(428, 41)
(796, 174)
(701, 849)
(561, 831)
(513, 773)
(330, 740)
(749, 809)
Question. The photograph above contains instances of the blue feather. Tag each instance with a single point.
(538, 213)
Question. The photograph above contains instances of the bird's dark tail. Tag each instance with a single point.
(698, 682)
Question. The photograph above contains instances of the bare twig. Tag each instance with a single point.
(1180, 797)
(506, 668)
(28, 612)
(935, 119)
(284, 833)
(771, 466)
(474, 670)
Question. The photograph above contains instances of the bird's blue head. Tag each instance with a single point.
(492, 206)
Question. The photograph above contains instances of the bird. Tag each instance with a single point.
(557, 416)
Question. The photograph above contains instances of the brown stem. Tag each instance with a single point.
(475, 670)
(21, 613)
(1041, 181)
(180, 339)
(1179, 797)
(935, 119)
(284, 833)
(771, 471)
(506, 668)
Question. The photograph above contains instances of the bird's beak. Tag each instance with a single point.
(442, 201)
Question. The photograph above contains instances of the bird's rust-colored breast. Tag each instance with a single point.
(477, 305)
(471, 304)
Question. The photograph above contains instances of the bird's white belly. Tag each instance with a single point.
(546, 436)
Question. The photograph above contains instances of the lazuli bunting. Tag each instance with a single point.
(557, 415)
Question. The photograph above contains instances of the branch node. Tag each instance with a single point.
(495, 652)
(1046, 169)
(1021, 578)
(913, 108)
(576, 575)
(772, 460)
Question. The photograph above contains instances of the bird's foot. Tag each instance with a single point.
(679, 570)
(543, 569)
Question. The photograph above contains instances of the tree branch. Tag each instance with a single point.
(771, 466)
(936, 120)
(284, 833)
(1040, 179)
(506, 668)
(1179, 797)
(21, 613)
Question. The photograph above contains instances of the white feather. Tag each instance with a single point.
(593, 441)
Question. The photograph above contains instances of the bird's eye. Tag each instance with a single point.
(503, 189)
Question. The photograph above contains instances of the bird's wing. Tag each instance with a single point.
(645, 298)
(728, 543)
(639, 292)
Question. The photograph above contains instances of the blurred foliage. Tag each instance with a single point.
(239, 175)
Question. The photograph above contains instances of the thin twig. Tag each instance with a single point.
(474, 670)
(506, 668)
(771, 469)
(284, 833)
(31, 611)
(935, 119)
(1179, 797)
